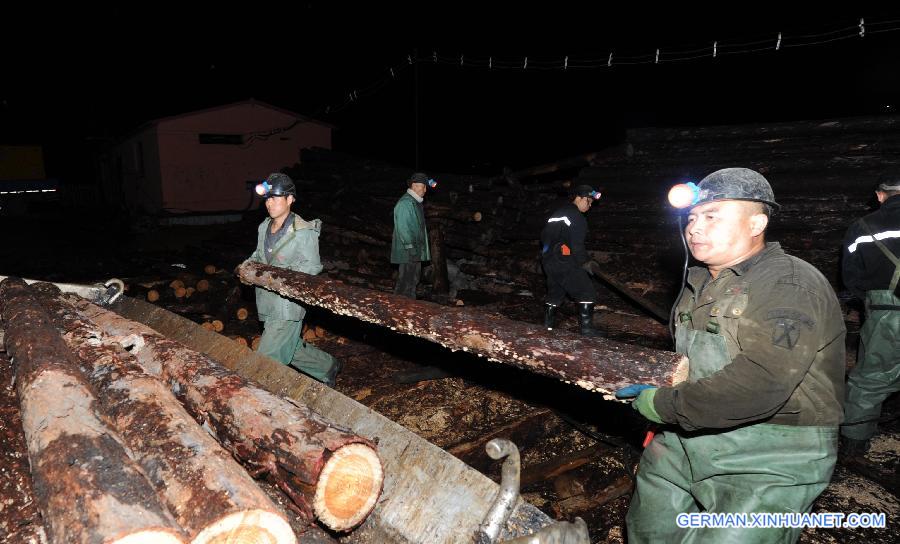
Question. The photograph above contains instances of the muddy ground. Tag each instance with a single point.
(578, 451)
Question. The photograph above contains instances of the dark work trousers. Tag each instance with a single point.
(567, 278)
(408, 278)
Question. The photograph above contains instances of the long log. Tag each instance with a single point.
(593, 364)
(330, 473)
(211, 496)
(20, 519)
(87, 487)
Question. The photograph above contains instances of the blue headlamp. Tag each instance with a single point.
(431, 183)
(595, 195)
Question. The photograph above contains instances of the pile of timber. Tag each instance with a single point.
(142, 434)
(822, 172)
(484, 230)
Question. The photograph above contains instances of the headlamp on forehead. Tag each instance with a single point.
(263, 188)
(431, 183)
(594, 195)
(684, 195)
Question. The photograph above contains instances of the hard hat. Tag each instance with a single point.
(276, 184)
(725, 184)
(421, 177)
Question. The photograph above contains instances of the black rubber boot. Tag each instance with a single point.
(586, 320)
(550, 315)
(850, 450)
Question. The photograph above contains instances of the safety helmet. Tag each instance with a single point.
(276, 184)
(587, 191)
(725, 184)
(421, 177)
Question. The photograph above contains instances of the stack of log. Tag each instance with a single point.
(822, 172)
(142, 434)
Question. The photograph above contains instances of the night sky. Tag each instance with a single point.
(75, 77)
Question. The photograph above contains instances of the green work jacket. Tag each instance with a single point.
(297, 250)
(410, 241)
(783, 330)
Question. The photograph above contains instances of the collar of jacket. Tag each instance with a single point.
(418, 198)
(892, 202)
(698, 275)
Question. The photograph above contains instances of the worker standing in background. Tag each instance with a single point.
(409, 246)
(871, 271)
(288, 241)
(566, 262)
(755, 427)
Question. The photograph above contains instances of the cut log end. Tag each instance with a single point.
(248, 527)
(150, 536)
(242, 313)
(348, 486)
(152, 295)
(209, 269)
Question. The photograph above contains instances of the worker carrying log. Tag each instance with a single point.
(286, 240)
(755, 426)
(871, 271)
(409, 246)
(566, 262)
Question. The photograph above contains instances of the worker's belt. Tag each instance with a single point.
(563, 249)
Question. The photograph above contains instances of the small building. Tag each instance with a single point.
(207, 160)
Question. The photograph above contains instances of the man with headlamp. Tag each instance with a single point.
(566, 262)
(755, 426)
(286, 240)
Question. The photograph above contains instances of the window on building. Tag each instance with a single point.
(221, 139)
(138, 150)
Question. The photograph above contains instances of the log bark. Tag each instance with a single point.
(330, 473)
(87, 487)
(211, 496)
(593, 364)
(20, 519)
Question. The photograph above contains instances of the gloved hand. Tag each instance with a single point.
(632, 390)
(644, 404)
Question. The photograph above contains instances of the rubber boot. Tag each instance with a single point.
(550, 315)
(586, 319)
(850, 450)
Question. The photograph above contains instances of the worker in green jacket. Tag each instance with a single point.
(409, 246)
(287, 240)
(754, 428)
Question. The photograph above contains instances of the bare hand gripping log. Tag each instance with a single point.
(595, 364)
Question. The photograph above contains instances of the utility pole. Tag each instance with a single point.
(416, 102)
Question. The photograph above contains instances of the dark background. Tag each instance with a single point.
(77, 77)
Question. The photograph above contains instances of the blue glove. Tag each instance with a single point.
(632, 390)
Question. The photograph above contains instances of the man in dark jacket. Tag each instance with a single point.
(566, 262)
(871, 270)
(409, 246)
(754, 428)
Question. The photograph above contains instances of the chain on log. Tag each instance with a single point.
(593, 364)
